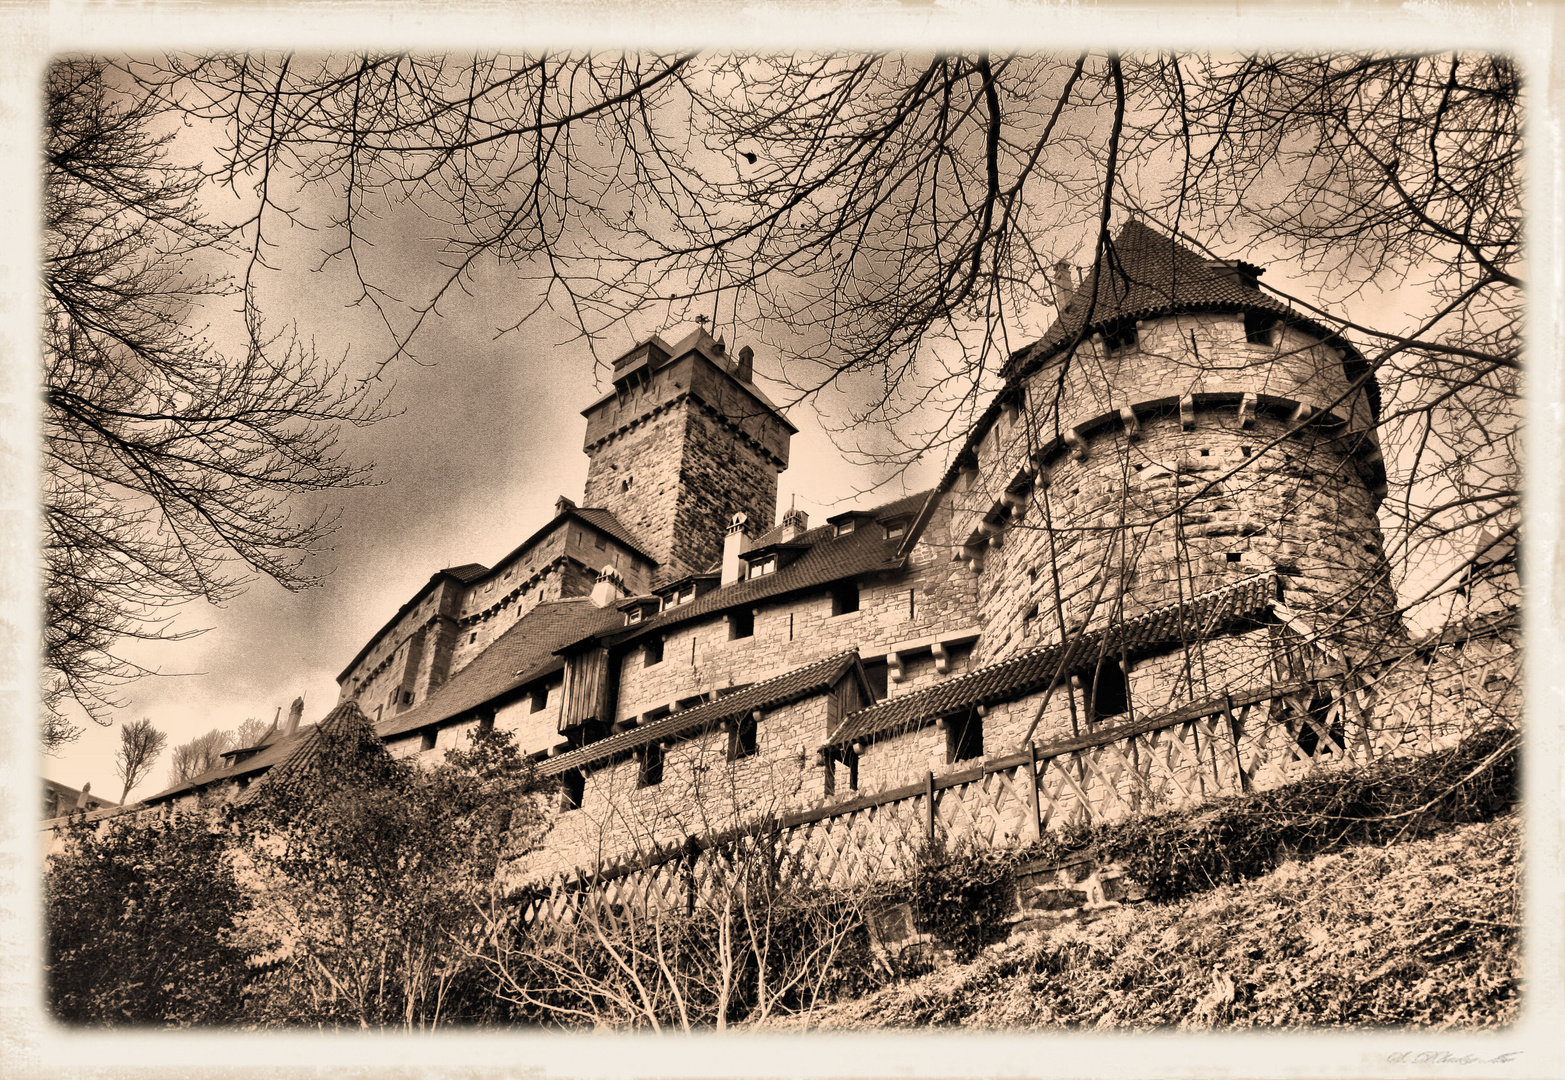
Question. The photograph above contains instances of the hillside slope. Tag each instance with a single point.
(1421, 933)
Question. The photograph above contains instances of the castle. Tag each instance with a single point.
(1154, 573)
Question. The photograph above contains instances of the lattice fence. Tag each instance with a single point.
(1221, 747)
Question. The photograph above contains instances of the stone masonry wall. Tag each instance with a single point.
(1139, 523)
(1196, 353)
(699, 657)
(702, 792)
(719, 476)
(675, 458)
(370, 680)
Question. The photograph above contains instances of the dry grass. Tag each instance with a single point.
(1422, 933)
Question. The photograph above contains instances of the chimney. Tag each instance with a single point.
(794, 524)
(733, 546)
(562, 504)
(609, 588)
(81, 800)
(295, 714)
(745, 372)
(1063, 286)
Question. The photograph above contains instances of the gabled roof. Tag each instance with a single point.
(522, 654)
(273, 753)
(1146, 273)
(605, 521)
(467, 572)
(1028, 672)
(800, 683)
(830, 558)
(298, 765)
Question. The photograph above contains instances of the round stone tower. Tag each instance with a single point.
(1176, 429)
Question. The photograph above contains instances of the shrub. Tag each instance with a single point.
(143, 926)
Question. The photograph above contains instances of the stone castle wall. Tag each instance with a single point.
(699, 657)
(1175, 499)
(702, 793)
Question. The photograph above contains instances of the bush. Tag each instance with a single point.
(1242, 837)
(962, 897)
(142, 926)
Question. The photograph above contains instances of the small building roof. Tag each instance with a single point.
(269, 755)
(784, 689)
(1205, 614)
(523, 654)
(300, 762)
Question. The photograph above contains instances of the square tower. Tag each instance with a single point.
(684, 440)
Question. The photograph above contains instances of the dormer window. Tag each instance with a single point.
(1119, 334)
(895, 530)
(632, 616)
(686, 594)
(844, 527)
(767, 565)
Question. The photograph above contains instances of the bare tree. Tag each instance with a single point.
(901, 215)
(732, 929)
(189, 760)
(250, 731)
(140, 745)
(168, 463)
(893, 222)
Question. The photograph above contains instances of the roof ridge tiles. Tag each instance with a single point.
(951, 691)
(755, 696)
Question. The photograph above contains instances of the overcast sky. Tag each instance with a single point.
(488, 433)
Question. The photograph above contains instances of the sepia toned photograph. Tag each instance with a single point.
(606, 541)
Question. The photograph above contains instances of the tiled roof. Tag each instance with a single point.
(523, 653)
(299, 763)
(830, 558)
(1035, 669)
(1145, 273)
(605, 520)
(274, 752)
(800, 683)
(467, 572)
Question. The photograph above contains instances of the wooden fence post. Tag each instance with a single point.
(1032, 790)
(929, 798)
(1233, 728)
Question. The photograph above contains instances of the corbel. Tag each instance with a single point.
(894, 667)
(1187, 412)
(942, 658)
(1077, 443)
(1132, 426)
(1247, 410)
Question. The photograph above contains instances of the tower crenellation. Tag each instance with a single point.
(684, 441)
